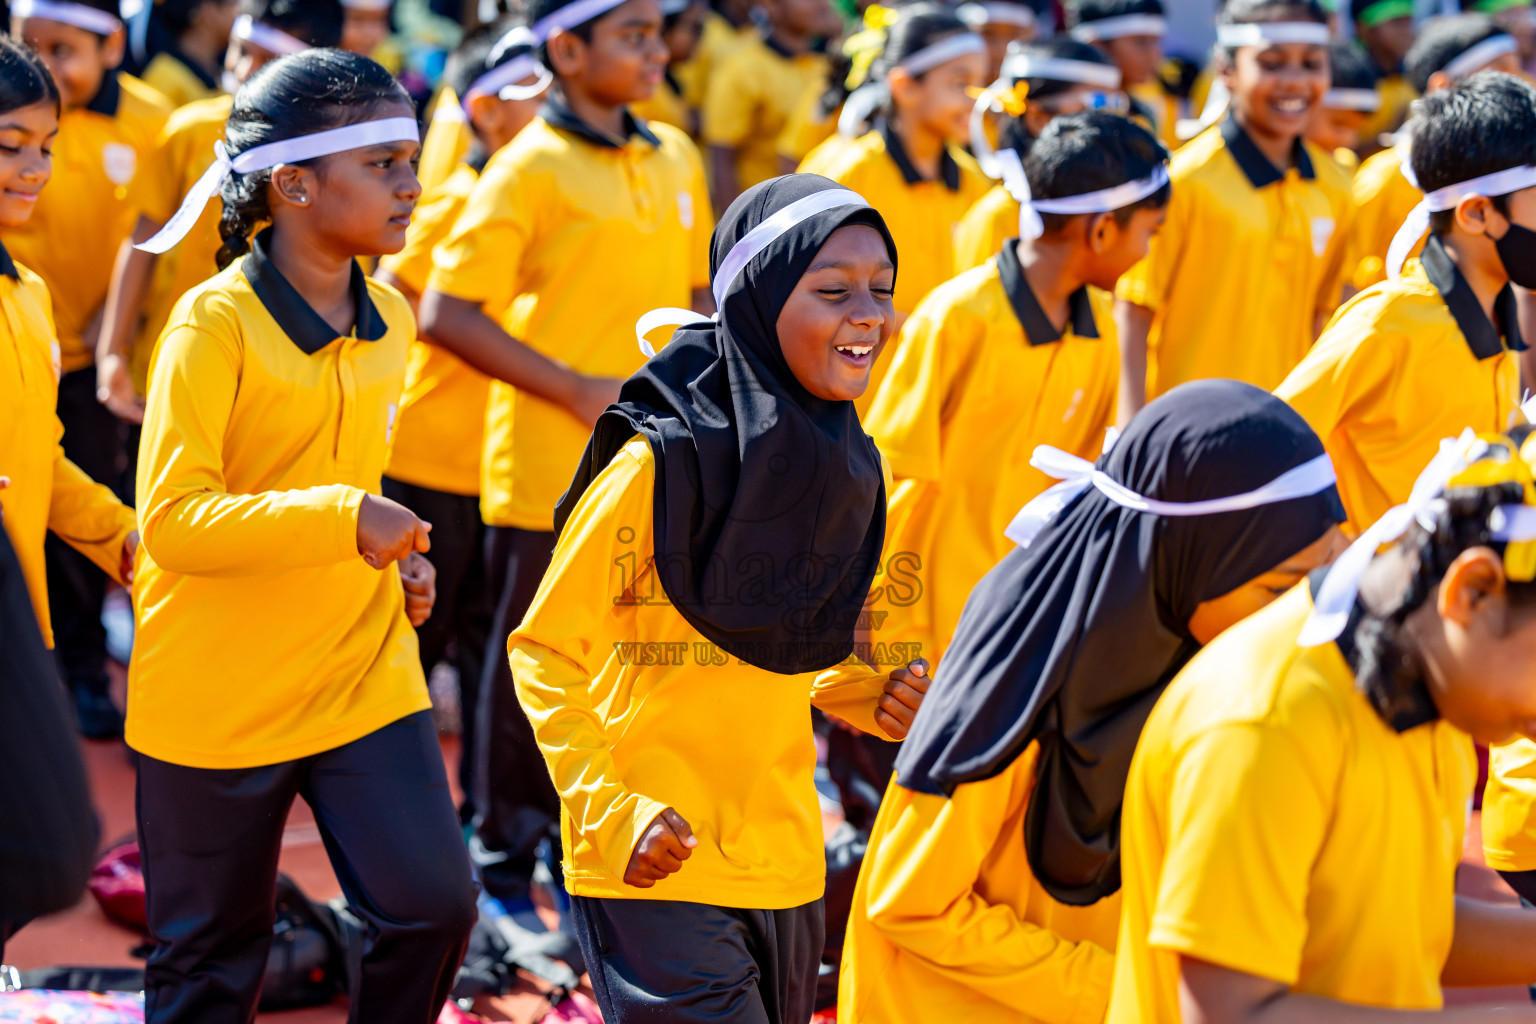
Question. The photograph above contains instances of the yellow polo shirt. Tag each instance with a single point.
(179, 80)
(1383, 200)
(718, 40)
(751, 94)
(948, 922)
(47, 491)
(566, 240)
(184, 153)
(1396, 93)
(447, 142)
(91, 205)
(808, 127)
(633, 714)
(440, 430)
(263, 636)
(1159, 110)
(980, 376)
(1247, 258)
(1275, 825)
(985, 227)
(1404, 365)
(920, 214)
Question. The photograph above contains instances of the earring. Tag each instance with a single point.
(303, 199)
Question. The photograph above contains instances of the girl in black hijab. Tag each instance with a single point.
(1001, 826)
(715, 550)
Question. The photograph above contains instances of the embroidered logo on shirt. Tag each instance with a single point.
(685, 210)
(389, 421)
(1322, 234)
(1077, 399)
(58, 359)
(120, 162)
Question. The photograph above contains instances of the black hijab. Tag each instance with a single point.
(770, 502)
(1071, 640)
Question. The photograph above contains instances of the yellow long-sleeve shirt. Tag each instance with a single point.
(949, 923)
(1405, 364)
(635, 712)
(101, 168)
(262, 635)
(980, 376)
(47, 491)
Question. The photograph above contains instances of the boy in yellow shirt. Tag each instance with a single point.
(1130, 32)
(1250, 263)
(1436, 348)
(1003, 24)
(754, 90)
(1385, 30)
(1294, 816)
(1046, 80)
(107, 135)
(434, 455)
(586, 221)
(1008, 356)
(366, 26)
(1447, 51)
(191, 36)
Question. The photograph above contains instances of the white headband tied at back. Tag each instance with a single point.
(990, 12)
(367, 5)
(1474, 58)
(1104, 200)
(65, 13)
(743, 252)
(260, 158)
(1120, 27)
(1023, 66)
(1336, 597)
(501, 81)
(274, 40)
(1077, 475)
(862, 103)
(1499, 183)
(1271, 33)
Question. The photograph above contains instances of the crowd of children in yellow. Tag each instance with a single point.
(1134, 462)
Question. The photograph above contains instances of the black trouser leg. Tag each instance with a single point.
(516, 806)
(210, 840)
(93, 440)
(461, 620)
(383, 808)
(657, 960)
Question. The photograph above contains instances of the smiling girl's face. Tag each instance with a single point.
(1275, 89)
(839, 317)
(26, 159)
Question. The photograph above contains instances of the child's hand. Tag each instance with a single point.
(661, 851)
(419, 577)
(130, 547)
(593, 395)
(114, 389)
(387, 531)
(903, 696)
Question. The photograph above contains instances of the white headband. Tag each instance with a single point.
(1118, 28)
(78, 15)
(284, 151)
(929, 57)
(1061, 69)
(862, 103)
(367, 5)
(742, 253)
(275, 40)
(1216, 103)
(1077, 475)
(1271, 33)
(502, 79)
(990, 12)
(1336, 597)
(1105, 200)
(1365, 100)
(1499, 183)
(1475, 57)
(570, 16)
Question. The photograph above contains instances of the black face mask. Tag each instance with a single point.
(1517, 251)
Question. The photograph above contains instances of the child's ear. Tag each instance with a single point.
(1437, 81)
(901, 84)
(113, 47)
(567, 54)
(1471, 586)
(1472, 214)
(293, 186)
(485, 113)
(1103, 232)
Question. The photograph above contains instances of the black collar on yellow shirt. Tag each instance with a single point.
(949, 171)
(8, 266)
(306, 328)
(1481, 334)
(197, 70)
(107, 97)
(558, 115)
(1254, 164)
(1038, 329)
(1402, 710)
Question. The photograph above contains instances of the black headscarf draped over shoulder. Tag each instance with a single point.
(1071, 640)
(770, 502)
